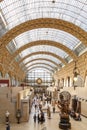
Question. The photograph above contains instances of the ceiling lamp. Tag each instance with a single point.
(75, 73)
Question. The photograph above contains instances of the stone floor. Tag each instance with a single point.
(50, 124)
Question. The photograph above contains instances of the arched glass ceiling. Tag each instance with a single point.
(40, 70)
(41, 56)
(45, 76)
(41, 61)
(45, 34)
(74, 11)
(2, 27)
(46, 48)
(40, 66)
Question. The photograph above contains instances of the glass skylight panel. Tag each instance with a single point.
(80, 49)
(38, 69)
(25, 10)
(38, 73)
(47, 34)
(2, 26)
(85, 26)
(44, 68)
(41, 56)
(68, 59)
(41, 61)
(11, 47)
(46, 48)
(40, 65)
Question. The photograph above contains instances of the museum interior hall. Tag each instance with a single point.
(43, 64)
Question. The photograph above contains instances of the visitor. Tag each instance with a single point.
(34, 117)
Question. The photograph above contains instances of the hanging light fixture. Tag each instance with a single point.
(75, 73)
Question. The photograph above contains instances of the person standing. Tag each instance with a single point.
(34, 117)
(48, 112)
(38, 117)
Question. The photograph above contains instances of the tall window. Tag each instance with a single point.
(34, 75)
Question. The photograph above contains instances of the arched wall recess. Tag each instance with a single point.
(46, 53)
(44, 23)
(46, 42)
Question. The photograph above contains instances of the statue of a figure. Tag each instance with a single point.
(63, 105)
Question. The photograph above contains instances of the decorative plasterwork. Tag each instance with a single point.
(46, 68)
(40, 64)
(46, 53)
(46, 42)
(41, 59)
(44, 23)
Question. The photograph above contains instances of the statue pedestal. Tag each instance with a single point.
(64, 122)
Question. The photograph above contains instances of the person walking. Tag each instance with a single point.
(34, 118)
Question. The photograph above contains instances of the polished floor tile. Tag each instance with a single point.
(49, 124)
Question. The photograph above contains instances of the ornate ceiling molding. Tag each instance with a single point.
(46, 68)
(40, 59)
(44, 23)
(40, 64)
(45, 53)
(46, 42)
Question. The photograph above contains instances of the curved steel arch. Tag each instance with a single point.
(46, 53)
(41, 64)
(44, 23)
(40, 67)
(41, 60)
(46, 42)
(45, 69)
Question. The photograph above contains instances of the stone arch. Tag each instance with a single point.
(49, 60)
(44, 23)
(44, 52)
(49, 43)
(40, 64)
(40, 67)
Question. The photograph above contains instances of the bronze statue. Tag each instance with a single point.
(63, 105)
